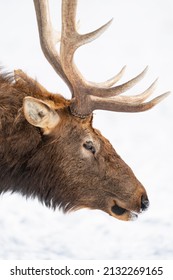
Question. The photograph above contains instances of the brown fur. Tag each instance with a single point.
(56, 168)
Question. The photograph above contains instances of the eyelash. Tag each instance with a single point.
(88, 145)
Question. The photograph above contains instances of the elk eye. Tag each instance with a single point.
(88, 145)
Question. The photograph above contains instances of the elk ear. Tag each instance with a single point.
(40, 114)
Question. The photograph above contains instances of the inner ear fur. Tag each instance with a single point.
(39, 113)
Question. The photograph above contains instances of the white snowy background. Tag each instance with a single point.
(141, 34)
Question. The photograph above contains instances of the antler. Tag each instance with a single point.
(86, 96)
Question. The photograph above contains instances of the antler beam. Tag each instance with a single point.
(49, 38)
(86, 96)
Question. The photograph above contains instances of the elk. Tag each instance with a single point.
(48, 146)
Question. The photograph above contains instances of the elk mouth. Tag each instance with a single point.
(122, 213)
(118, 210)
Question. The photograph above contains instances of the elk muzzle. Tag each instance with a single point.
(129, 209)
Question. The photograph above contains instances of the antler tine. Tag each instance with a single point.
(71, 40)
(110, 92)
(48, 39)
(139, 98)
(115, 105)
(111, 81)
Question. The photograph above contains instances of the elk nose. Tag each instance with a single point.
(144, 203)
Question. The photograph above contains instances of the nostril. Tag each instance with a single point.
(144, 203)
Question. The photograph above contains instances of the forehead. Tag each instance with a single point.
(82, 128)
(86, 132)
(76, 127)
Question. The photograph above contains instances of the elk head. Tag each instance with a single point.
(90, 172)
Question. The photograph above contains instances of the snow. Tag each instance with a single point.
(141, 34)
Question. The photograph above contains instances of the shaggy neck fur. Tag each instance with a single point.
(25, 165)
